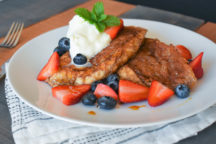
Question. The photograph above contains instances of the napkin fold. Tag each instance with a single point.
(32, 127)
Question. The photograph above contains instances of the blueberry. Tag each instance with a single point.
(113, 81)
(94, 85)
(59, 50)
(106, 102)
(182, 91)
(190, 60)
(80, 59)
(89, 99)
(114, 85)
(64, 43)
(112, 77)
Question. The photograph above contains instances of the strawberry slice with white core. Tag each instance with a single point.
(105, 90)
(158, 94)
(50, 68)
(68, 94)
(184, 52)
(113, 31)
(196, 65)
(131, 92)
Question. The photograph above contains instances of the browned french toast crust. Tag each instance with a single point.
(120, 50)
(157, 61)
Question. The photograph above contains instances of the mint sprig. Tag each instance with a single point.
(97, 17)
(98, 9)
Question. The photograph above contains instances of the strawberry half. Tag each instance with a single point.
(158, 94)
(132, 92)
(69, 95)
(196, 65)
(50, 68)
(184, 52)
(105, 90)
(113, 31)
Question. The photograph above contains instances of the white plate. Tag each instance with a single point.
(28, 61)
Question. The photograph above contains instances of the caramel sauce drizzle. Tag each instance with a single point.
(92, 113)
(188, 99)
(136, 107)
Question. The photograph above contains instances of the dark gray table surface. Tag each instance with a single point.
(143, 12)
(46, 9)
(31, 11)
(203, 9)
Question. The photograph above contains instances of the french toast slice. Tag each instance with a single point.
(157, 61)
(120, 50)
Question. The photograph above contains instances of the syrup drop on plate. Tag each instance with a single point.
(92, 113)
(136, 107)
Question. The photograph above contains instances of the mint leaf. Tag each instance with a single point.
(102, 17)
(98, 9)
(97, 17)
(94, 17)
(111, 21)
(85, 14)
(100, 26)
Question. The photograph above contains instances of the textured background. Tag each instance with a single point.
(31, 11)
(204, 9)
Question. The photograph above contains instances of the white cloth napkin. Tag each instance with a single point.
(32, 127)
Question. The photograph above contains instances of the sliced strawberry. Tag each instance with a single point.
(50, 68)
(82, 88)
(105, 90)
(184, 52)
(132, 92)
(158, 94)
(69, 95)
(196, 65)
(113, 31)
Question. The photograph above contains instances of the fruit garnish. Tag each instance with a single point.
(68, 94)
(59, 50)
(114, 85)
(106, 102)
(182, 91)
(94, 85)
(158, 94)
(64, 43)
(89, 98)
(184, 52)
(105, 90)
(113, 31)
(113, 81)
(50, 68)
(112, 77)
(63, 46)
(190, 60)
(196, 65)
(132, 92)
(80, 59)
(97, 17)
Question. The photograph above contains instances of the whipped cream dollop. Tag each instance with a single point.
(85, 38)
